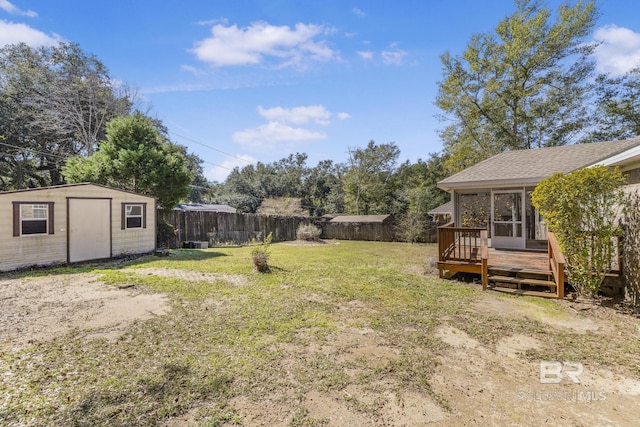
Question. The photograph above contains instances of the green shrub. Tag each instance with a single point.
(308, 232)
(166, 234)
(412, 228)
(581, 209)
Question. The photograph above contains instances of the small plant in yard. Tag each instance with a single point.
(260, 254)
(211, 235)
(308, 232)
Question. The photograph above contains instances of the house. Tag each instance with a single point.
(492, 210)
(443, 213)
(71, 223)
(496, 194)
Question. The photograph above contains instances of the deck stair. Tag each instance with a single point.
(522, 282)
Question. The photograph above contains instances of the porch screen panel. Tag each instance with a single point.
(475, 209)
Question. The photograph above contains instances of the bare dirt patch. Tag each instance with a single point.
(309, 242)
(191, 276)
(571, 319)
(39, 309)
(498, 385)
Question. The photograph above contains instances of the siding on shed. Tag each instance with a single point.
(46, 249)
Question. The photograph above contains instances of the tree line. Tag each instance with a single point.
(370, 182)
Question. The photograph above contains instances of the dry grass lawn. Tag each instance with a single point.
(337, 334)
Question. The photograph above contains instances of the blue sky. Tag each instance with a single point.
(240, 81)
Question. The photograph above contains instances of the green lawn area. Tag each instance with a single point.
(313, 324)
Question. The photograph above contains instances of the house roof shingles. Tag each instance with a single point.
(443, 209)
(532, 166)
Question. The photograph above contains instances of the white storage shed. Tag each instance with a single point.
(72, 223)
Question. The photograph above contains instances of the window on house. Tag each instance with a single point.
(133, 215)
(32, 218)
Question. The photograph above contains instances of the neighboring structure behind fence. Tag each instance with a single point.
(359, 227)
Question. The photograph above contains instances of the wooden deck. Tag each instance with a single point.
(465, 250)
(512, 271)
(514, 261)
(536, 273)
(503, 260)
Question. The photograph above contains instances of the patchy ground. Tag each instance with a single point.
(38, 309)
(473, 383)
(498, 386)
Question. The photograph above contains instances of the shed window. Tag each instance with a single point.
(32, 218)
(133, 215)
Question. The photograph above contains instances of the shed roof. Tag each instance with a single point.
(360, 218)
(205, 207)
(532, 166)
(81, 184)
(445, 208)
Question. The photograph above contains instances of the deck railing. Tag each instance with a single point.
(460, 244)
(557, 263)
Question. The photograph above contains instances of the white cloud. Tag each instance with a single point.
(393, 57)
(14, 10)
(193, 70)
(213, 22)
(220, 173)
(287, 125)
(358, 12)
(619, 50)
(275, 132)
(230, 45)
(12, 33)
(365, 54)
(297, 115)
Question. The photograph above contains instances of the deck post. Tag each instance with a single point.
(556, 263)
(484, 256)
(560, 285)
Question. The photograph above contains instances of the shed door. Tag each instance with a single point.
(89, 225)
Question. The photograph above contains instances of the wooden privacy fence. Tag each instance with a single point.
(219, 228)
(224, 227)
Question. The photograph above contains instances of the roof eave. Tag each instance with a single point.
(489, 183)
(620, 158)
